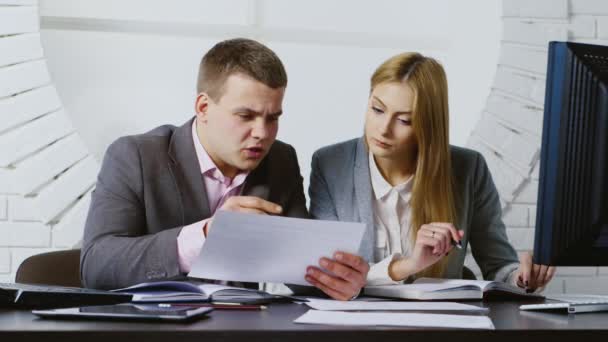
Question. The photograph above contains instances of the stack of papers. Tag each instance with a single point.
(336, 305)
(335, 312)
(395, 319)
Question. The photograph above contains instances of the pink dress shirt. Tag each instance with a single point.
(219, 188)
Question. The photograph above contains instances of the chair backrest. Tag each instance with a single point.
(53, 268)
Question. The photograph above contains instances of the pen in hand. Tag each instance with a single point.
(457, 244)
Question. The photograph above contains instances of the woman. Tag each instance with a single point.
(418, 196)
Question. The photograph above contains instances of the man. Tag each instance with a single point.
(157, 192)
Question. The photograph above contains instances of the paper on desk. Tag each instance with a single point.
(336, 305)
(395, 319)
(263, 248)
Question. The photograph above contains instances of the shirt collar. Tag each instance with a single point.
(208, 167)
(381, 187)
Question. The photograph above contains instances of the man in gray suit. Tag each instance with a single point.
(157, 192)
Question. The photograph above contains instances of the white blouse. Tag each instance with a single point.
(392, 220)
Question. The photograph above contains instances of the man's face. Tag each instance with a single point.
(238, 130)
(388, 121)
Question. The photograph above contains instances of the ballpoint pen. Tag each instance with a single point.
(457, 244)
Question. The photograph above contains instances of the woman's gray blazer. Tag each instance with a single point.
(340, 189)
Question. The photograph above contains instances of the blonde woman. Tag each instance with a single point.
(418, 196)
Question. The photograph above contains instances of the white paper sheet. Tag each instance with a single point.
(395, 319)
(336, 305)
(262, 248)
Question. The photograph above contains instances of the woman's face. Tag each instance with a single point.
(388, 121)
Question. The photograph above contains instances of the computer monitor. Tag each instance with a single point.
(572, 208)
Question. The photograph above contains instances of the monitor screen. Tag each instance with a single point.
(572, 208)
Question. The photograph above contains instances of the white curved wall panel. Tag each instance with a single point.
(46, 171)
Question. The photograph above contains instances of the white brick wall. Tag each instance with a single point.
(602, 27)
(24, 234)
(516, 215)
(592, 7)
(535, 9)
(516, 100)
(587, 285)
(5, 261)
(3, 208)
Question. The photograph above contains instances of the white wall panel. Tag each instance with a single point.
(20, 48)
(42, 167)
(516, 216)
(18, 2)
(19, 109)
(29, 138)
(529, 193)
(235, 12)
(529, 59)
(431, 18)
(18, 19)
(511, 145)
(69, 231)
(517, 115)
(59, 195)
(527, 86)
(506, 177)
(21, 77)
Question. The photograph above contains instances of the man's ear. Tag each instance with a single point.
(201, 105)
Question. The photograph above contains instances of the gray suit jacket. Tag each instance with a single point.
(149, 187)
(340, 189)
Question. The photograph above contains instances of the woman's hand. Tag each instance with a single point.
(532, 276)
(433, 242)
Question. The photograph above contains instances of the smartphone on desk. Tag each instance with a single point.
(125, 312)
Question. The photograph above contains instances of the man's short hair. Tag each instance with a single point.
(243, 56)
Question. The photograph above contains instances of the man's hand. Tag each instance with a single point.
(349, 275)
(247, 204)
(532, 276)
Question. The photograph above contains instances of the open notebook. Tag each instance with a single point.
(182, 291)
(442, 289)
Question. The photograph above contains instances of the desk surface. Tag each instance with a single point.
(276, 324)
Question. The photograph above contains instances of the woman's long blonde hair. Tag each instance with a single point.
(432, 197)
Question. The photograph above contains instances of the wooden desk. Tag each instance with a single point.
(276, 324)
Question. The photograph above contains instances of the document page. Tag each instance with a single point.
(263, 248)
(395, 319)
(336, 305)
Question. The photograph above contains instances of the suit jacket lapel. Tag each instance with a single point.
(187, 173)
(363, 194)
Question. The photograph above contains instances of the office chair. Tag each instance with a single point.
(53, 268)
